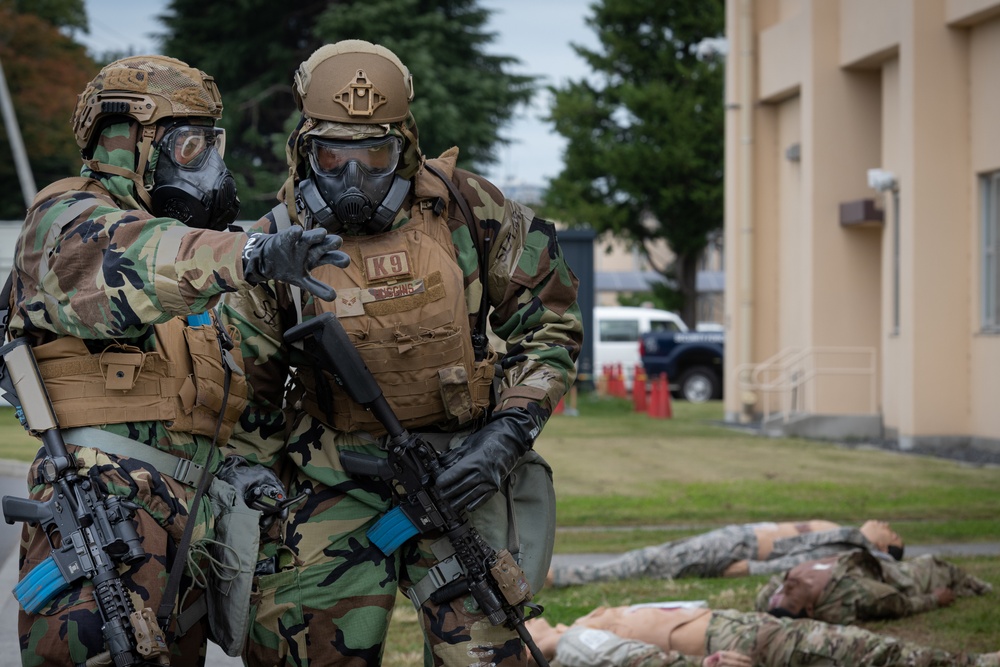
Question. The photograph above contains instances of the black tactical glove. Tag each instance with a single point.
(259, 487)
(290, 255)
(475, 470)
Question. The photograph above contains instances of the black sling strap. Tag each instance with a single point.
(479, 339)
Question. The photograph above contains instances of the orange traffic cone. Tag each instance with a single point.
(666, 410)
(560, 406)
(659, 398)
(639, 390)
(654, 398)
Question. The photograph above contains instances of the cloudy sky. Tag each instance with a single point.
(537, 32)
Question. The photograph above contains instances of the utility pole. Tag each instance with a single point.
(16, 144)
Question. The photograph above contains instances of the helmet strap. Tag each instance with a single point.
(289, 200)
(140, 189)
(145, 149)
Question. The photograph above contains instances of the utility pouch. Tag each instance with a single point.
(237, 531)
(519, 522)
(522, 517)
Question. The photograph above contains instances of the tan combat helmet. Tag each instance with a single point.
(354, 81)
(146, 89)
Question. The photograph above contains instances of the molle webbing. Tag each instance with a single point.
(179, 384)
(418, 401)
(402, 302)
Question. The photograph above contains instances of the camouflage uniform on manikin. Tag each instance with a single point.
(769, 641)
(709, 554)
(862, 587)
(95, 270)
(330, 600)
(781, 642)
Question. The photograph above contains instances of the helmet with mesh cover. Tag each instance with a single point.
(146, 89)
(354, 81)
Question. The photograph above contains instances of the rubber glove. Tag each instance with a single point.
(475, 470)
(290, 255)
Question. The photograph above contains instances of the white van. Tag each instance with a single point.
(616, 334)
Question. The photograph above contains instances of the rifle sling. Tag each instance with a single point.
(447, 569)
(183, 470)
(483, 248)
(172, 589)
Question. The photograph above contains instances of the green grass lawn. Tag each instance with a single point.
(15, 443)
(624, 480)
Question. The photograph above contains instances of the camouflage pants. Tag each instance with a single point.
(332, 606)
(68, 630)
(706, 555)
(926, 573)
(775, 642)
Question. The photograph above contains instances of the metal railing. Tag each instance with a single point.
(789, 382)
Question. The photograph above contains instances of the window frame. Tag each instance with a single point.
(989, 253)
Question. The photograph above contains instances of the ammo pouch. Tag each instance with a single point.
(520, 518)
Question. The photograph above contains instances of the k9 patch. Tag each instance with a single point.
(387, 266)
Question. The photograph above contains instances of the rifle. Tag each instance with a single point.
(95, 530)
(493, 578)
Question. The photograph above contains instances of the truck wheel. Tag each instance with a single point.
(699, 384)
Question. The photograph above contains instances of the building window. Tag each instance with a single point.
(895, 262)
(990, 253)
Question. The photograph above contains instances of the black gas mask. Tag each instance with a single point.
(354, 188)
(191, 182)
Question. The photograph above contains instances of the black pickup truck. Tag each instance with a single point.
(692, 361)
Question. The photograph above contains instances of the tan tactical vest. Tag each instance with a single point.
(402, 302)
(180, 383)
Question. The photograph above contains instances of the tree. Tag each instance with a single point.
(252, 48)
(45, 72)
(462, 95)
(644, 157)
(60, 13)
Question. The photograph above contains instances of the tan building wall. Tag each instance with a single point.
(877, 318)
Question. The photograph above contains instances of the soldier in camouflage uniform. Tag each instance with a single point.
(857, 586)
(737, 550)
(116, 275)
(423, 273)
(664, 637)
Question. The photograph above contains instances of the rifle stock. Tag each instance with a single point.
(96, 530)
(493, 578)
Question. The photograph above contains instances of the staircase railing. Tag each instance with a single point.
(788, 382)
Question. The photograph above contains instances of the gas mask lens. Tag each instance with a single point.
(188, 144)
(376, 156)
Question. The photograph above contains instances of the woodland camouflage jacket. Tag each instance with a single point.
(531, 291)
(90, 263)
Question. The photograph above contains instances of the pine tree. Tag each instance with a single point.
(252, 48)
(645, 135)
(463, 95)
